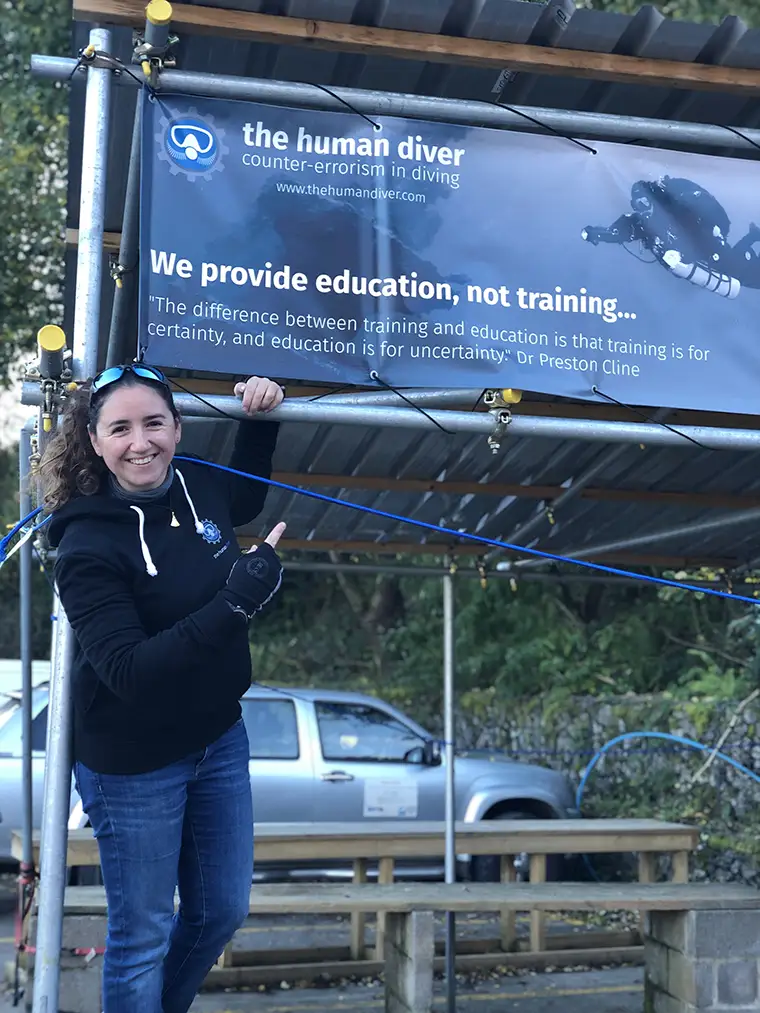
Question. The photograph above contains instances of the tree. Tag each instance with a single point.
(9, 591)
(33, 127)
(711, 11)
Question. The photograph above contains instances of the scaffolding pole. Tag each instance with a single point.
(677, 531)
(599, 126)
(125, 270)
(472, 573)
(25, 653)
(424, 397)
(587, 430)
(92, 201)
(450, 874)
(57, 790)
(53, 833)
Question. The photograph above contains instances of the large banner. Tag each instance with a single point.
(317, 246)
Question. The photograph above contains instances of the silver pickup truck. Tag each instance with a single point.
(323, 756)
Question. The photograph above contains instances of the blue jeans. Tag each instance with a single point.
(186, 826)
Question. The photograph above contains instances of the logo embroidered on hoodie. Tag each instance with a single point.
(211, 533)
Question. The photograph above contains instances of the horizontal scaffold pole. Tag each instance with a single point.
(600, 126)
(487, 423)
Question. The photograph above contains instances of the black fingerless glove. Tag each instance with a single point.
(253, 581)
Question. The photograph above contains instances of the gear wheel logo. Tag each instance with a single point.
(191, 145)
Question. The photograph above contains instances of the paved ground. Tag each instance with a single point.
(614, 991)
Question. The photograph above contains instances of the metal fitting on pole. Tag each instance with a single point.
(53, 370)
(151, 51)
(51, 342)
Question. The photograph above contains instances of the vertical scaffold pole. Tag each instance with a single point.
(57, 790)
(25, 653)
(450, 796)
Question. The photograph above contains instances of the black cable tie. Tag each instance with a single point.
(649, 418)
(198, 397)
(332, 390)
(545, 126)
(80, 63)
(374, 376)
(353, 109)
(744, 137)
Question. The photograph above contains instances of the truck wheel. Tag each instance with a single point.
(487, 868)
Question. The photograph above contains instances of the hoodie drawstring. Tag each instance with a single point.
(198, 525)
(150, 566)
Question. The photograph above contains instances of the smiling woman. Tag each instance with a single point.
(160, 600)
(135, 433)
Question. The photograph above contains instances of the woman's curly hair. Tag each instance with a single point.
(70, 467)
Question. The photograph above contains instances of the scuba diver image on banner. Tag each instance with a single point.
(685, 228)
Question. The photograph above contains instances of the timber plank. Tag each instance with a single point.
(285, 842)
(428, 47)
(331, 898)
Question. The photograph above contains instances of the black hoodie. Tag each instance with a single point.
(161, 660)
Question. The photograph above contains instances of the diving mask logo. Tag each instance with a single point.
(192, 145)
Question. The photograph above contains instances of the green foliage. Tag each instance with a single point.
(9, 596)
(384, 634)
(711, 11)
(33, 126)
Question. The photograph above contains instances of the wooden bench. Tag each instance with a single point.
(388, 841)
(696, 935)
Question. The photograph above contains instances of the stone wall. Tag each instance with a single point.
(640, 777)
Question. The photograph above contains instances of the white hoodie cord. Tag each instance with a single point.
(198, 525)
(150, 566)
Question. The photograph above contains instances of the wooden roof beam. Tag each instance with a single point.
(654, 497)
(429, 48)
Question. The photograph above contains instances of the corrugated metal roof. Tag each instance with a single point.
(383, 458)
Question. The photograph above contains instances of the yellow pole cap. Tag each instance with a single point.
(159, 12)
(512, 396)
(51, 338)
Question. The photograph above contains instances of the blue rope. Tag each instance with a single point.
(680, 739)
(6, 540)
(599, 567)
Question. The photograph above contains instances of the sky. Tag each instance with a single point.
(12, 414)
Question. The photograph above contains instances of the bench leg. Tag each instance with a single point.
(681, 867)
(384, 876)
(507, 918)
(647, 867)
(225, 957)
(410, 950)
(358, 918)
(537, 918)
